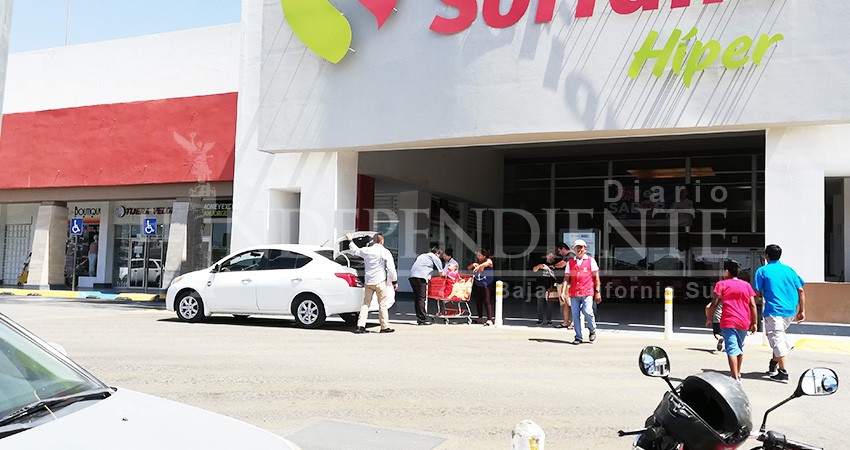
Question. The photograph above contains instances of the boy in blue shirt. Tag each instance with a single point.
(784, 303)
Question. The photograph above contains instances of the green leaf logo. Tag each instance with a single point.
(320, 26)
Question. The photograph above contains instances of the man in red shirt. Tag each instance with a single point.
(738, 315)
(583, 286)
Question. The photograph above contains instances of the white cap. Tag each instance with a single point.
(580, 242)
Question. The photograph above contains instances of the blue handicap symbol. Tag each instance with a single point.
(150, 227)
(76, 226)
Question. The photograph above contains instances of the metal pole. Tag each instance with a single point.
(145, 264)
(668, 313)
(499, 294)
(67, 22)
(74, 267)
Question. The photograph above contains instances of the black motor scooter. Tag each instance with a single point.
(710, 411)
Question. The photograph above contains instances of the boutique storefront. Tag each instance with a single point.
(672, 133)
(152, 146)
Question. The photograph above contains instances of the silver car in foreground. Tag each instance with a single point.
(47, 401)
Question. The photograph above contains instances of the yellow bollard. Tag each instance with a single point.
(668, 313)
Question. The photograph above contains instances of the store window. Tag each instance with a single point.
(139, 259)
(673, 213)
(81, 252)
(216, 219)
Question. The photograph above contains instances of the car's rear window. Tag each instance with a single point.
(326, 253)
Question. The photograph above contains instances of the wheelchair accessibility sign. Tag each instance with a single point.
(149, 226)
(76, 226)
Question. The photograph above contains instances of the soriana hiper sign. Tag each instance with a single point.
(328, 33)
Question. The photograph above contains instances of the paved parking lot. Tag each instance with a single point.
(464, 386)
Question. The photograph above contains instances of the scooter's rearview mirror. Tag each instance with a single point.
(818, 381)
(653, 362)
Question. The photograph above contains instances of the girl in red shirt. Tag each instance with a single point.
(738, 315)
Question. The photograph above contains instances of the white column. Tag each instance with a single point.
(178, 237)
(47, 264)
(794, 197)
(106, 244)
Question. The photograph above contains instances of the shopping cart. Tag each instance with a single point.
(453, 304)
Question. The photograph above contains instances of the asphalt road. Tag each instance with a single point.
(467, 384)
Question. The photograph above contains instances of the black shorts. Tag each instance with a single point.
(715, 326)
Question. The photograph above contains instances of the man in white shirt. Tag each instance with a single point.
(420, 274)
(380, 268)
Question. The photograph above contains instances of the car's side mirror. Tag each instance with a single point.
(817, 381)
(215, 268)
(653, 362)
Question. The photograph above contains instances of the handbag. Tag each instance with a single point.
(553, 295)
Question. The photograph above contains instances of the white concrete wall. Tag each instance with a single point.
(407, 86)
(201, 61)
(326, 181)
(476, 175)
(797, 160)
(21, 213)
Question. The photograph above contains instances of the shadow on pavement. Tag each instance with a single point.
(704, 350)
(758, 376)
(266, 322)
(551, 341)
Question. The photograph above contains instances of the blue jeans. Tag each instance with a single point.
(583, 305)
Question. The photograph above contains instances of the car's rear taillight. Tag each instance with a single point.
(350, 278)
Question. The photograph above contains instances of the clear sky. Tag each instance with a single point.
(39, 24)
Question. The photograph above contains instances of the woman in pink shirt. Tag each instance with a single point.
(738, 316)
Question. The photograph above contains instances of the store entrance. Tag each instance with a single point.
(661, 211)
(139, 261)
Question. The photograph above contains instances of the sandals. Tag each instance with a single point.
(560, 325)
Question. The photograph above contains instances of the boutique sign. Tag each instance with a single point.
(328, 33)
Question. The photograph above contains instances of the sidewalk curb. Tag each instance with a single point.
(822, 345)
(137, 297)
(45, 293)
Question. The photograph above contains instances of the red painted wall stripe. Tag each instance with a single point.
(172, 140)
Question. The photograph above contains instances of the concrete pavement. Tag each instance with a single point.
(467, 384)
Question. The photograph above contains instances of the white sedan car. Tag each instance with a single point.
(301, 280)
(47, 401)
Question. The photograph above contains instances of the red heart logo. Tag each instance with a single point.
(381, 9)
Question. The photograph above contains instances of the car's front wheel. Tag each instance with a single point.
(309, 311)
(189, 307)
